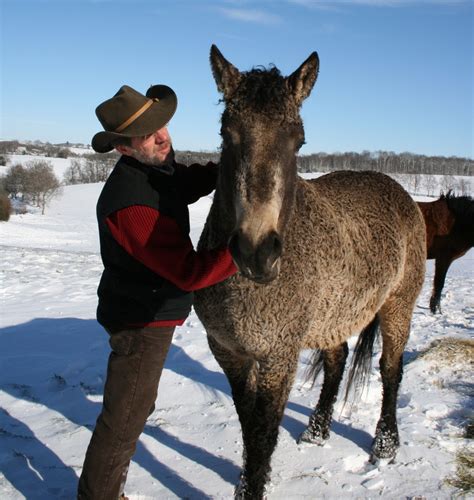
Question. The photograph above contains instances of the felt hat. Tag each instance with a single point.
(131, 114)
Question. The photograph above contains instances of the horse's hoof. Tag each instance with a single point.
(385, 447)
(242, 492)
(309, 436)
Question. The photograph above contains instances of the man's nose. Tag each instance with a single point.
(161, 134)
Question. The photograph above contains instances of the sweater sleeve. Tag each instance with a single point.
(157, 242)
(197, 180)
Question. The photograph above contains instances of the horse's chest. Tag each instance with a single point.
(243, 317)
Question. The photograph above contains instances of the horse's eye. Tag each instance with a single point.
(232, 134)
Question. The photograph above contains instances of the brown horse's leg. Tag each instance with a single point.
(441, 269)
(273, 386)
(395, 325)
(317, 431)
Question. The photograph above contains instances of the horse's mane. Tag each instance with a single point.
(462, 207)
(263, 90)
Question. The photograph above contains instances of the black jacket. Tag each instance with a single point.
(129, 292)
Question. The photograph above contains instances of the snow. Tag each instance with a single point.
(52, 367)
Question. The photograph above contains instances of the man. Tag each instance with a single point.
(150, 271)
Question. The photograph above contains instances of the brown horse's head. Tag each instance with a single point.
(261, 133)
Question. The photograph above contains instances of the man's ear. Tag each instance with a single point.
(124, 150)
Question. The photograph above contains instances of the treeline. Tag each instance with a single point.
(387, 162)
(37, 148)
(382, 161)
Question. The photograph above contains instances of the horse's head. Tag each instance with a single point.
(262, 132)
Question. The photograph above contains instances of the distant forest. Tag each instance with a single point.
(382, 161)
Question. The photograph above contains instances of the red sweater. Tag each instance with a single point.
(157, 242)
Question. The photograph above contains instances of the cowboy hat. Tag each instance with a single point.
(131, 114)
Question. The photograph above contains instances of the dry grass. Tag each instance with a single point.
(457, 354)
(450, 351)
(464, 478)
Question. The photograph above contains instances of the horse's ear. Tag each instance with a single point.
(301, 81)
(225, 74)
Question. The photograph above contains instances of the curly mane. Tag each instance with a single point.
(264, 91)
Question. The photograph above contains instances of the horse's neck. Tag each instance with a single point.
(218, 227)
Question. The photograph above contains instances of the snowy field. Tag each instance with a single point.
(52, 364)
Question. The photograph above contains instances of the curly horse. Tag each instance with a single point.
(319, 261)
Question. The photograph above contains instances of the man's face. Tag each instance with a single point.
(151, 149)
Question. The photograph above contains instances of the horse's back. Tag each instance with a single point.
(369, 201)
(369, 242)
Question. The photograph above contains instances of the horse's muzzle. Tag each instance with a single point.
(259, 263)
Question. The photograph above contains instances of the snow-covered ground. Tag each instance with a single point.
(52, 364)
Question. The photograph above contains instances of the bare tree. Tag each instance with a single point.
(42, 184)
(15, 180)
(448, 182)
(430, 184)
(73, 174)
(463, 186)
(415, 182)
(88, 170)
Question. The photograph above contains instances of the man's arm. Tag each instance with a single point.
(157, 242)
(197, 180)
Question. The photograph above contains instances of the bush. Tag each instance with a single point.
(5, 207)
(89, 169)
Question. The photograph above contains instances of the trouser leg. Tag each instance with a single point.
(133, 373)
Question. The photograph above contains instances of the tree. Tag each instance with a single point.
(88, 170)
(448, 183)
(415, 182)
(431, 184)
(463, 186)
(15, 181)
(73, 173)
(42, 185)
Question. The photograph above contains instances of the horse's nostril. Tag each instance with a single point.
(277, 245)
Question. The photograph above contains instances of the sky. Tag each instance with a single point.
(395, 75)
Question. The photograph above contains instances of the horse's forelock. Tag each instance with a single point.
(264, 91)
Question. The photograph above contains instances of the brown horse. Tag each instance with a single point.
(319, 261)
(449, 235)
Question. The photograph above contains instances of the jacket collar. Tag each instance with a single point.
(165, 169)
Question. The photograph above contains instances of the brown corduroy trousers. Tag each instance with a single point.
(133, 374)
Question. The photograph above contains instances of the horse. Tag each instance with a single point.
(449, 235)
(319, 261)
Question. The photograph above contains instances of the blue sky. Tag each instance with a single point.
(395, 75)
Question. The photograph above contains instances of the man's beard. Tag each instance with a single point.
(155, 161)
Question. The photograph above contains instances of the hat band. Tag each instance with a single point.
(135, 115)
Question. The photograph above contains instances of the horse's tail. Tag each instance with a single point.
(315, 366)
(362, 357)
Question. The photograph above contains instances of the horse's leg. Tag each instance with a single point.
(395, 317)
(317, 431)
(275, 377)
(241, 374)
(441, 269)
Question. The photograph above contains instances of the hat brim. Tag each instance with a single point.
(154, 118)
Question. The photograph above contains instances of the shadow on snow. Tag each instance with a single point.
(57, 363)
